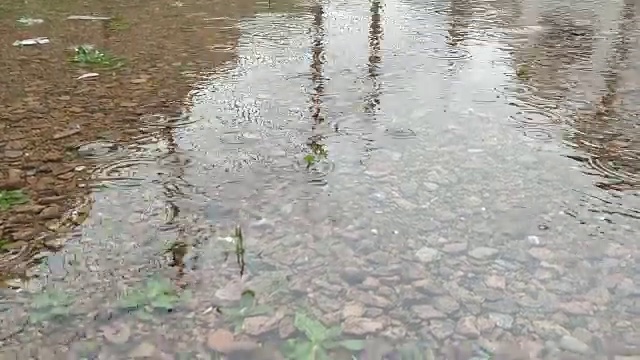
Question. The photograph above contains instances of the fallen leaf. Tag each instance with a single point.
(87, 76)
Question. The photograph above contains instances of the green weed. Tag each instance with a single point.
(89, 55)
(50, 305)
(157, 295)
(9, 198)
(247, 308)
(318, 341)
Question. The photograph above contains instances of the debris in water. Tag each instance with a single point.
(88, 17)
(33, 41)
(88, 76)
(29, 21)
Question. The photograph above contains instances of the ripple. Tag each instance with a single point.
(316, 173)
(119, 173)
(238, 137)
(448, 53)
(170, 121)
(538, 134)
(623, 166)
(99, 150)
(534, 118)
(400, 133)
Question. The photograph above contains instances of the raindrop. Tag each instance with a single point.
(119, 173)
(161, 120)
(618, 167)
(98, 149)
(532, 117)
(448, 53)
(538, 134)
(400, 133)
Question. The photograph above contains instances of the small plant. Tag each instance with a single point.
(4, 245)
(247, 308)
(9, 198)
(89, 55)
(318, 152)
(318, 342)
(156, 295)
(118, 23)
(50, 305)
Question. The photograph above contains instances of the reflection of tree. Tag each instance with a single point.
(318, 81)
(460, 16)
(602, 132)
(372, 100)
(561, 47)
(171, 191)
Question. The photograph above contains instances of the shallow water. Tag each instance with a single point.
(462, 175)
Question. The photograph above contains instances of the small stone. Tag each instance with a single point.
(441, 329)
(28, 209)
(485, 323)
(427, 312)
(144, 350)
(353, 276)
(502, 321)
(572, 344)
(220, 340)
(258, 325)
(286, 328)
(362, 326)
(534, 240)
(482, 253)
(66, 133)
(117, 333)
(13, 181)
(496, 282)
(446, 304)
(466, 326)
(51, 212)
(427, 255)
(455, 248)
(353, 310)
(541, 253)
(370, 283)
(428, 287)
(548, 329)
(577, 308)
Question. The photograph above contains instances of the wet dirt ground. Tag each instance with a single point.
(369, 180)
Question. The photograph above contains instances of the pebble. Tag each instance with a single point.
(220, 340)
(446, 304)
(427, 312)
(455, 248)
(466, 326)
(362, 326)
(143, 351)
(502, 321)
(572, 344)
(483, 252)
(427, 255)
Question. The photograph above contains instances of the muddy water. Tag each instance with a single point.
(458, 179)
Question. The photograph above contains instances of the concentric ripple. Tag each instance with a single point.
(120, 173)
(624, 166)
(534, 118)
(538, 134)
(448, 53)
(400, 133)
(170, 121)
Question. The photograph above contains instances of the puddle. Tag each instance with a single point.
(313, 179)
